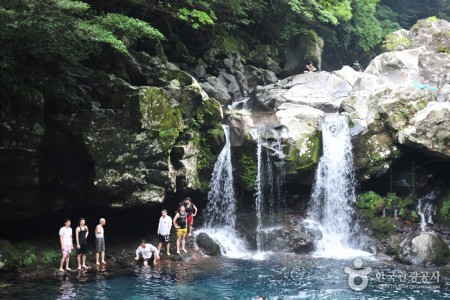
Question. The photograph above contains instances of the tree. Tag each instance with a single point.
(38, 36)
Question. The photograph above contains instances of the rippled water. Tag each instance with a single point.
(278, 277)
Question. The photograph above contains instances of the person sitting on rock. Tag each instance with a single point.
(147, 251)
(357, 66)
(310, 67)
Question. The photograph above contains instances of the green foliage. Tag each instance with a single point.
(444, 211)
(205, 159)
(50, 256)
(27, 258)
(384, 227)
(374, 204)
(37, 35)
(249, 172)
(368, 30)
(132, 28)
(195, 17)
(169, 133)
(443, 49)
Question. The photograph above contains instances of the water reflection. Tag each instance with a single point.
(279, 277)
(67, 289)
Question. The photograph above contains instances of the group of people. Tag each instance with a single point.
(183, 222)
(81, 235)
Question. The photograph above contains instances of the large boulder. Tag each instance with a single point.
(425, 248)
(207, 244)
(324, 91)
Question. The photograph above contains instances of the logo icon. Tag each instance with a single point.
(358, 272)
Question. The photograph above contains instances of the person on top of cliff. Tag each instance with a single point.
(191, 211)
(310, 67)
(357, 66)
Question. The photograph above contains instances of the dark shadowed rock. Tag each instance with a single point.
(208, 245)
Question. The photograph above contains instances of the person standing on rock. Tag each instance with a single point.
(81, 234)
(100, 242)
(164, 226)
(147, 250)
(180, 223)
(191, 211)
(66, 240)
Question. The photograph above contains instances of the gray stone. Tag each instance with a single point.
(208, 245)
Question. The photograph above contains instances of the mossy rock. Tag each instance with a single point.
(444, 211)
(183, 78)
(384, 227)
(151, 109)
(9, 256)
(209, 114)
(247, 171)
(304, 154)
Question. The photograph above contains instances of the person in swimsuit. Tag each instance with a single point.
(66, 240)
(191, 211)
(100, 242)
(180, 223)
(81, 234)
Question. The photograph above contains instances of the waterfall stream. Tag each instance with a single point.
(220, 212)
(334, 190)
(269, 193)
(425, 209)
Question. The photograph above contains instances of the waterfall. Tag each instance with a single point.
(221, 208)
(220, 212)
(334, 189)
(259, 195)
(269, 194)
(425, 209)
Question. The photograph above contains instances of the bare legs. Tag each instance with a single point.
(97, 256)
(183, 244)
(167, 248)
(81, 261)
(65, 258)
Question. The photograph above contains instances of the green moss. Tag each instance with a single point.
(443, 49)
(169, 133)
(249, 171)
(384, 227)
(394, 42)
(230, 43)
(207, 115)
(305, 154)
(444, 211)
(155, 111)
(183, 78)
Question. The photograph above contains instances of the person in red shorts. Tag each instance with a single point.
(191, 211)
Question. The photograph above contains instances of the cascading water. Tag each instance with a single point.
(221, 208)
(220, 212)
(334, 190)
(259, 189)
(269, 195)
(425, 209)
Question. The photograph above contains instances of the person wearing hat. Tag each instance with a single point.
(191, 211)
